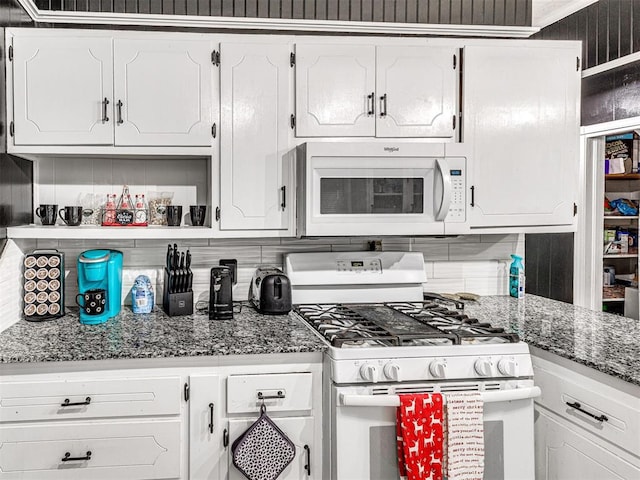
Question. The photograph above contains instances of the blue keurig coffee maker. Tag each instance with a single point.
(100, 270)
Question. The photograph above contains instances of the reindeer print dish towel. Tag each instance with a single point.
(420, 436)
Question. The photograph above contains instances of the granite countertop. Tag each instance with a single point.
(603, 341)
(155, 335)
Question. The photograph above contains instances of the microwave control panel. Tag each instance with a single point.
(457, 207)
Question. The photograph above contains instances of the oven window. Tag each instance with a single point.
(383, 460)
(358, 196)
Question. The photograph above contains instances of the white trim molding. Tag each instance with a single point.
(242, 23)
(546, 12)
(618, 62)
(610, 128)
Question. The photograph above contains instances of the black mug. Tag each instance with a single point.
(174, 215)
(72, 216)
(95, 301)
(197, 213)
(48, 213)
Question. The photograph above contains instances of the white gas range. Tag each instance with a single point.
(385, 339)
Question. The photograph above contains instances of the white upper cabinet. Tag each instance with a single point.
(367, 91)
(417, 91)
(61, 87)
(335, 90)
(255, 138)
(162, 92)
(83, 89)
(521, 131)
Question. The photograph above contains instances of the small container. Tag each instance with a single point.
(142, 298)
(516, 277)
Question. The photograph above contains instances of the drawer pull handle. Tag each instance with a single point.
(211, 418)
(578, 406)
(261, 396)
(68, 458)
(68, 403)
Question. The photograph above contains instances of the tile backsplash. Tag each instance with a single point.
(468, 263)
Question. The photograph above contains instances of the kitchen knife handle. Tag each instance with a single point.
(119, 105)
(105, 102)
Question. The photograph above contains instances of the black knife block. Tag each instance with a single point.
(175, 304)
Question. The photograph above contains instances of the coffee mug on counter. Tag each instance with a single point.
(95, 301)
(72, 216)
(174, 215)
(198, 214)
(48, 213)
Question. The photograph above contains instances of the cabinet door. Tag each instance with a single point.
(206, 429)
(59, 86)
(255, 83)
(297, 429)
(162, 92)
(521, 109)
(416, 91)
(335, 90)
(564, 454)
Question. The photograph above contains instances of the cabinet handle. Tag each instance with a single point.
(383, 105)
(68, 458)
(261, 396)
(105, 102)
(371, 104)
(217, 214)
(225, 438)
(283, 189)
(68, 403)
(119, 105)
(473, 195)
(211, 418)
(578, 406)
(307, 467)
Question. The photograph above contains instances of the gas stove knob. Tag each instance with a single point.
(483, 367)
(508, 367)
(369, 373)
(437, 368)
(392, 371)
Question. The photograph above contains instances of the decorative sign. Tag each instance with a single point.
(124, 217)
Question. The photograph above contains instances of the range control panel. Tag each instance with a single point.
(369, 265)
(457, 207)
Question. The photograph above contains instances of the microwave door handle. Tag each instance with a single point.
(348, 400)
(443, 167)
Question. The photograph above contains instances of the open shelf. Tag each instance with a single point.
(622, 176)
(90, 232)
(621, 255)
(621, 217)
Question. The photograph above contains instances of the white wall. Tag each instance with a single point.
(470, 263)
(10, 285)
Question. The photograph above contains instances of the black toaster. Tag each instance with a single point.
(270, 291)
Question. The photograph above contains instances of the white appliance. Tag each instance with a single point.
(401, 343)
(378, 189)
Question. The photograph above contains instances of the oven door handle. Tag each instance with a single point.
(348, 400)
(443, 168)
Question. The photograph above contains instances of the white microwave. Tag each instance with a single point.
(378, 189)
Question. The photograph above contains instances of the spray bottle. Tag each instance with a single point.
(516, 277)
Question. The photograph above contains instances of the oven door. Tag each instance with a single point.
(377, 195)
(364, 436)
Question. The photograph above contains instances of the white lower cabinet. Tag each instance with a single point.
(299, 430)
(96, 450)
(206, 427)
(563, 452)
(587, 424)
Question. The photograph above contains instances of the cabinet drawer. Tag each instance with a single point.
(25, 401)
(285, 391)
(131, 450)
(622, 410)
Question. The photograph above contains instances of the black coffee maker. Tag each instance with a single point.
(220, 294)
